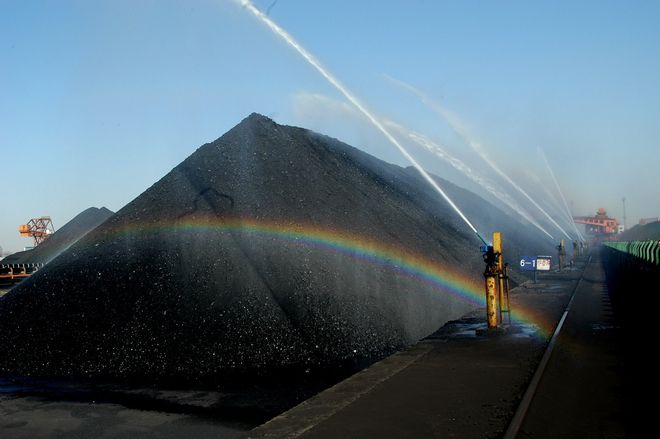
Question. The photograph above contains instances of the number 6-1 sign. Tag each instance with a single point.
(528, 263)
(535, 263)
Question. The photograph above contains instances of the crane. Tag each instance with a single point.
(600, 225)
(37, 228)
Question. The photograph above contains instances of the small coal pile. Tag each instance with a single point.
(641, 232)
(63, 238)
(271, 249)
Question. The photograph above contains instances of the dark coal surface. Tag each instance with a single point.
(63, 238)
(166, 302)
(641, 232)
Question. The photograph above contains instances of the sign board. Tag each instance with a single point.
(534, 263)
(528, 263)
(543, 263)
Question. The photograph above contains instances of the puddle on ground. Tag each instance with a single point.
(466, 330)
(471, 328)
(525, 330)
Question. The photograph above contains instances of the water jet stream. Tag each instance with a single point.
(458, 128)
(556, 205)
(353, 100)
(561, 194)
(459, 165)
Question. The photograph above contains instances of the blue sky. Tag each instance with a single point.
(98, 100)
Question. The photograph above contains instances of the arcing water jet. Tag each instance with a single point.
(353, 100)
(458, 164)
(561, 194)
(459, 129)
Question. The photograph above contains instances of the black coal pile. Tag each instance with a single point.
(63, 238)
(170, 288)
(641, 232)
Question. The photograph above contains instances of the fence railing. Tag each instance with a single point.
(648, 251)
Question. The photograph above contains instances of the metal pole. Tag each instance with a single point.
(503, 277)
(625, 226)
(497, 248)
(561, 253)
(506, 293)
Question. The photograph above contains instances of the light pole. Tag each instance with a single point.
(625, 226)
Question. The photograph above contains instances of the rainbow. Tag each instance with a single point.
(359, 247)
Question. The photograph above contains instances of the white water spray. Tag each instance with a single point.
(458, 127)
(353, 100)
(566, 216)
(561, 194)
(553, 204)
(459, 165)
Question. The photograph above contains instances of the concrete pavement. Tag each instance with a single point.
(456, 383)
(581, 392)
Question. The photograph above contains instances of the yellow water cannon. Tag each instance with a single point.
(496, 281)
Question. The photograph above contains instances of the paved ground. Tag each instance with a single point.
(457, 383)
(582, 390)
(34, 418)
(51, 409)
